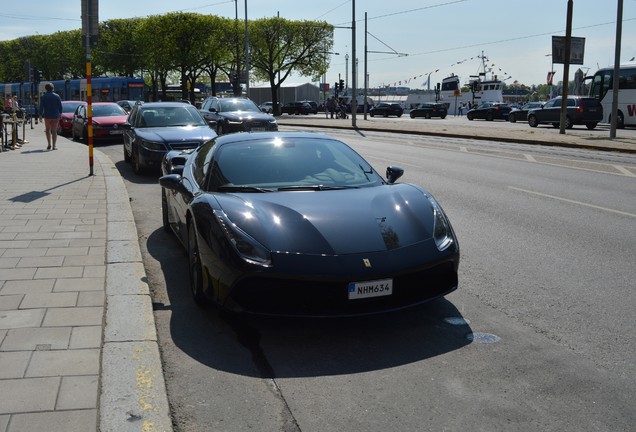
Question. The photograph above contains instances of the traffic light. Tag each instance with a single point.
(335, 87)
(341, 83)
(37, 75)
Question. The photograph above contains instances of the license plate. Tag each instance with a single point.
(375, 288)
(116, 132)
(257, 129)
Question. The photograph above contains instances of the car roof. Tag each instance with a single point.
(163, 104)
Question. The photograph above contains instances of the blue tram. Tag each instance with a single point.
(109, 89)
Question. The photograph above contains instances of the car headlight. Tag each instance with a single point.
(153, 146)
(442, 233)
(96, 126)
(248, 248)
(235, 122)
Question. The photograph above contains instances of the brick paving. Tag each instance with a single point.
(63, 311)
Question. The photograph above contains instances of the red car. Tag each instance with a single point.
(66, 121)
(108, 119)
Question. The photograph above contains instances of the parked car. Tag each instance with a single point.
(229, 115)
(296, 107)
(128, 105)
(580, 110)
(155, 128)
(65, 125)
(268, 107)
(521, 114)
(298, 223)
(386, 109)
(314, 106)
(489, 111)
(430, 109)
(108, 120)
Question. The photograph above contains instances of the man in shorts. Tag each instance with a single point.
(51, 111)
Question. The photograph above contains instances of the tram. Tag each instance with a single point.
(107, 89)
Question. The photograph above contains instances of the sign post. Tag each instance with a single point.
(90, 31)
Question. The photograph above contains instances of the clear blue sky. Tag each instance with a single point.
(437, 35)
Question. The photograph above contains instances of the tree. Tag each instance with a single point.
(279, 47)
(119, 50)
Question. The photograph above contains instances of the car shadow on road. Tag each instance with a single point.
(269, 347)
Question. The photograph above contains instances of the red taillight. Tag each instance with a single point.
(496, 107)
(579, 108)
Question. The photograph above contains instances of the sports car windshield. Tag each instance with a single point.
(290, 164)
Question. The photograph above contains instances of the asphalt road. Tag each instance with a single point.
(539, 336)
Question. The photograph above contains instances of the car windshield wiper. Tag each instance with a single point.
(314, 187)
(228, 188)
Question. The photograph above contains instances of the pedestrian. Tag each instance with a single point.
(331, 105)
(51, 111)
(8, 104)
(461, 109)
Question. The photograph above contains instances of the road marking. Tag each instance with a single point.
(463, 149)
(530, 158)
(574, 202)
(624, 170)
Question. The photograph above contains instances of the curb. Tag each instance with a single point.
(133, 391)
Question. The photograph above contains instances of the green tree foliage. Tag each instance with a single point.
(188, 46)
(279, 47)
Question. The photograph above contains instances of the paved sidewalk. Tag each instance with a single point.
(78, 348)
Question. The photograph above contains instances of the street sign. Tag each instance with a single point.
(577, 49)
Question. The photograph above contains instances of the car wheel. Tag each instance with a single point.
(136, 164)
(412, 115)
(590, 126)
(512, 118)
(164, 210)
(470, 116)
(399, 115)
(532, 121)
(195, 270)
(568, 122)
(555, 125)
(428, 115)
(489, 116)
(371, 114)
(443, 116)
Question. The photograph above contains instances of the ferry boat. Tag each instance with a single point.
(481, 90)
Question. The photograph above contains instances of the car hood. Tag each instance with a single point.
(110, 120)
(176, 133)
(333, 222)
(245, 115)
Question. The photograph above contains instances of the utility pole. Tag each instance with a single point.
(617, 68)
(354, 86)
(566, 68)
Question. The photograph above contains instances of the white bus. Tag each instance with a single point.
(601, 88)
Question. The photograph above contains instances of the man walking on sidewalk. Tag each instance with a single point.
(51, 110)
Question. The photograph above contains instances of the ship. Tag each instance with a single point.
(481, 89)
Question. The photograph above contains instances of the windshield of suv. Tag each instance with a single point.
(169, 116)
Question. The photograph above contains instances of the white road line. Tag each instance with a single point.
(530, 158)
(624, 170)
(574, 202)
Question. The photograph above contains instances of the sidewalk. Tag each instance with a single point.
(78, 348)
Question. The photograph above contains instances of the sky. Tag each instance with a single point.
(406, 40)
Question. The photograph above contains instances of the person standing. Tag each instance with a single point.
(51, 111)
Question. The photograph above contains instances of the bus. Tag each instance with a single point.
(601, 87)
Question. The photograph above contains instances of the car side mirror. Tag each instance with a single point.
(212, 110)
(173, 182)
(393, 173)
